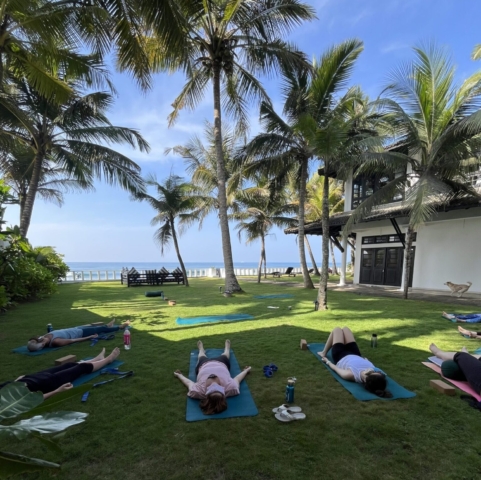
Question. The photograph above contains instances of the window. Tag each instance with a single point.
(385, 239)
(363, 187)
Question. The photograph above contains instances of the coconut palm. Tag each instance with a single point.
(228, 44)
(437, 133)
(66, 135)
(175, 201)
(15, 165)
(258, 211)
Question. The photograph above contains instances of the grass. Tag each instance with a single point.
(137, 429)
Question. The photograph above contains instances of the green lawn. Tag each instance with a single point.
(137, 429)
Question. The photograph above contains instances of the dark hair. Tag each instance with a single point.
(213, 403)
(376, 383)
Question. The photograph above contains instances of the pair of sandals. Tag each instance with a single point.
(269, 370)
(287, 413)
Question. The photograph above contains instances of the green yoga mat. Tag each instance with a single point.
(86, 378)
(356, 389)
(241, 405)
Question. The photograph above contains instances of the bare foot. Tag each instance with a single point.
(449, 316)
(321, 354)
(464, 350)
(111, 323)
(114, 354)
(227, 344)
(463, 331)
(434, 349)
(125, 324)
(200, 345)
(100, 356)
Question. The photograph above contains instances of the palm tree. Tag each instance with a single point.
(437, 133)
(258, 212)
(65, 135)
(175, 200)
(54, 181)
(228, 43)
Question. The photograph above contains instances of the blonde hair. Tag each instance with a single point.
(34, 345)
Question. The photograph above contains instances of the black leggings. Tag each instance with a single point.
(203, 359)
(49, 380)
(87, 331)
(471, 367)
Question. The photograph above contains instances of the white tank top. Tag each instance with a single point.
(356, 364)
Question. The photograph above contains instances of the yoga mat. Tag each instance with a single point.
(24, 350)
(464, 386)
(241, 405)
(478, 351)
(213, 319)
(281, 295)
(86, 378)
(356, 389)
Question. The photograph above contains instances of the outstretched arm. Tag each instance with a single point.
(242, 375)
(61, 342)
(342, 372)
(183, 379)
(63, 388)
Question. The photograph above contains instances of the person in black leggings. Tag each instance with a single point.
(469, 364)
(59, 379)
(66, 336)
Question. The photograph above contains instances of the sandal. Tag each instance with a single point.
(268, 373)
(284, 406)
(285, 416)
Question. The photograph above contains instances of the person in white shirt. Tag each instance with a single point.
(350, 365)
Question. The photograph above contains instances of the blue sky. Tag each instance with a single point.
(105, 226)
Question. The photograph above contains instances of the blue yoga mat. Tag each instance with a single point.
(241, 405)
(213, 319)
(478, 351)
(275, 295)
(24, 350)
(86, 378)
(356, 389)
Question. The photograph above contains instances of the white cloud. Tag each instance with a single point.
(393, 46)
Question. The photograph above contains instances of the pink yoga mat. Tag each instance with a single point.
(464, 386)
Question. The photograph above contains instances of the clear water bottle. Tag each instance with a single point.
(49, 327)
(374, 340)
(127, 344)
(290, 391)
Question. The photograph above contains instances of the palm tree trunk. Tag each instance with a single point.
(265, 259)
(259, 268)
(313, 261)
(176, 245)
(302, 251)
(231, 283)
(322, 294)
(31, 194)
(333, 258)
(408, 260)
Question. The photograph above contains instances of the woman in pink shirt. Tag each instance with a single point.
(214, 383)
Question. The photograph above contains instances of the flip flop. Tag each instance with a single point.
(284, 406)
(285, 416)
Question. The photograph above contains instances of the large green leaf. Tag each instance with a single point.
(16, 398)
(12, 464)
(49, 423)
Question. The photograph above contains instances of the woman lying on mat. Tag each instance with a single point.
(58, 379)
(469, 333)
(66, 336)
(214, 382)
(469, 318)
(350, 365)
(460, 366)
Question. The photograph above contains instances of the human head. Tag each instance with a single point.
(215, 401)
(36, 343)
(376, 383)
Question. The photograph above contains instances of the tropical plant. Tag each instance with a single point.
(65, 135)
(175, 200)
(437, 134)
(258, 211)
(228, 44)
(16, 399)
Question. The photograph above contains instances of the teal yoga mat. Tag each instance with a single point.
(86, 378)
(275, 295)
(213, 319)
(356, 389)
(24, 350)
(242, 405)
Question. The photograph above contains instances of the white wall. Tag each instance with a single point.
(448, 251)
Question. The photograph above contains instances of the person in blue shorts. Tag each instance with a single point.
(66, 336)
(457, 317)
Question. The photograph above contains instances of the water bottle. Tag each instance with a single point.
(127, 339)
(290, 391)
(49, 327)
(374, 340)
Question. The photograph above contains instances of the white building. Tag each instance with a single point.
(446, 248)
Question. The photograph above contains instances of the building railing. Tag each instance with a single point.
(111, 275)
